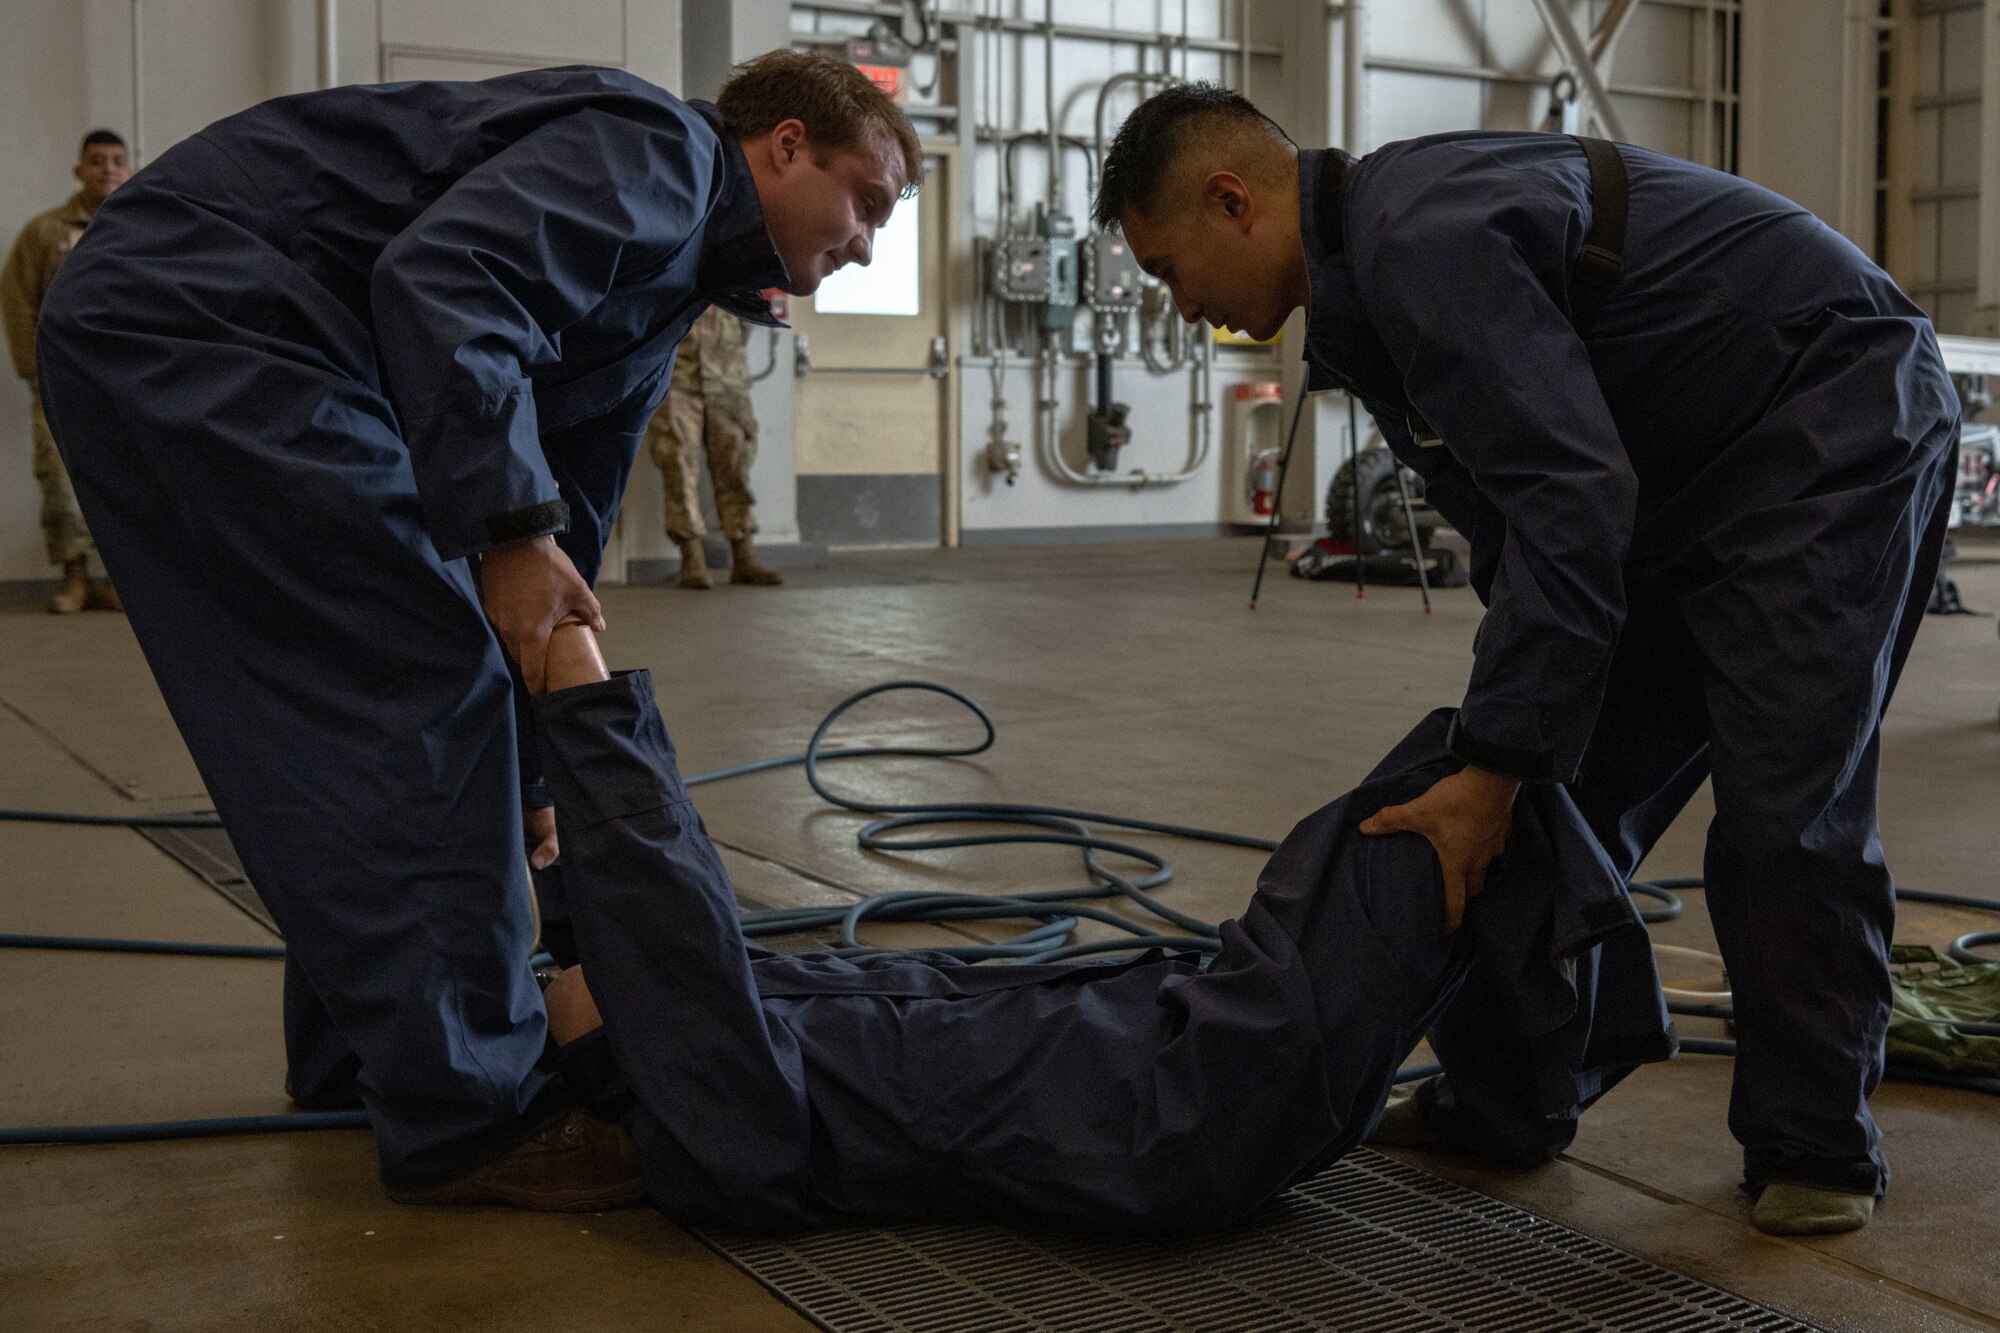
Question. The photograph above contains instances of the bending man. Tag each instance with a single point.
(1702, 449)
(350, 385)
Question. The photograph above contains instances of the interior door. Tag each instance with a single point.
(396, 40)
(873, 389)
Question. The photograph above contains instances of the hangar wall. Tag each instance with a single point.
(1810, 73)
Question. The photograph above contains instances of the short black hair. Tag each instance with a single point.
(96, 137)
(1142, 155)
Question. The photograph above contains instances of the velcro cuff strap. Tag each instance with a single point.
(537, 520)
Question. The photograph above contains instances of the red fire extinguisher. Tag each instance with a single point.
(1263, 481)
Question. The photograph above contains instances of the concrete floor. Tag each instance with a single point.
(1127, 678)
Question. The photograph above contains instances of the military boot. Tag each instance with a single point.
(74, 594)
(103, 597)
(694, 565)
(745, 567)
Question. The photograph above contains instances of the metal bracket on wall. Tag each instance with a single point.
(937, 366)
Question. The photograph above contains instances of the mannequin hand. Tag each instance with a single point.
(1467, 817)
(527, 587)
(540, 824)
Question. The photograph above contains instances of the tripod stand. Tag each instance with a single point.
(1353, 463)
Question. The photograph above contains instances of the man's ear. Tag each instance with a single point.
(788, 143)
(1228, 196)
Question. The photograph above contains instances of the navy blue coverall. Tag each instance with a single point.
(1704, 532)
(1154, 1094)
(301, 369)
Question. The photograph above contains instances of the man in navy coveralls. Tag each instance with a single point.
(349, 385)
(1703, 466)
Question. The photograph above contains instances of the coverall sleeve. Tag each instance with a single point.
(1460, 275)
(475, 294)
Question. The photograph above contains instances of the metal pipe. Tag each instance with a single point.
(1117, 81)
(1353, 75)
(1243, 48)
(1049, 104)
(1011, 142)
(1201, 441)
(329, 44)
(1073, 31)
(138, 84)
(1488, 74)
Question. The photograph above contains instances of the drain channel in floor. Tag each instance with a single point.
(1371, 1246)
(209, 854)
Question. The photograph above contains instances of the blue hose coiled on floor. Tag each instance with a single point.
(1058, 911)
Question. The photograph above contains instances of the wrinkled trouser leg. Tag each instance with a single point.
(730, 438)
(674, 438)
(1646, 759)
(721, 1112)
(1804, 645)
(336, 683)
(65, 535)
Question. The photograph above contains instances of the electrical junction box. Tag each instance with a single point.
(1059, 306)
(1110, 274)
(1021, 269)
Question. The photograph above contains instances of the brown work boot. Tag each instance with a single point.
(74, 594)
(694, 566)
(575, 1164)
(103, 597)
(745, 567)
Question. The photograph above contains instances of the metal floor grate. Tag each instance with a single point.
(210, 855)
(1371, 1246)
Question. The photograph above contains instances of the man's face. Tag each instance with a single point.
(102, 169)
(823, 215)
(1215, 259)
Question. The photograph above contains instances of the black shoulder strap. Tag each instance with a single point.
(1602, 259)
(1336, 171)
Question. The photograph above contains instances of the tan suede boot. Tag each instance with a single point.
(74, 594)
(103, 597)
(694, 566)
(745, 567)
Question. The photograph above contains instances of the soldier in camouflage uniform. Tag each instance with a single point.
(101, 167)
(708, 409)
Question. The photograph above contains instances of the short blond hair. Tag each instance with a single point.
(840, 107)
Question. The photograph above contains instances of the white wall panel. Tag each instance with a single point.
(1443, 31)
(398, 66)
(1657, 48)
(1961, 64)
(43, 104)
(584, 32)
(1514, 38)
(1406, 106)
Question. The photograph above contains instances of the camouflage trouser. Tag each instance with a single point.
(723, 426)
(64, 536)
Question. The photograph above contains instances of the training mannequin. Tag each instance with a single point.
(1157, 1094)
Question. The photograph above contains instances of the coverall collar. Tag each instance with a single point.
(738, 259)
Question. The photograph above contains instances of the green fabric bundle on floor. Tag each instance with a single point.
(1932, 994)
